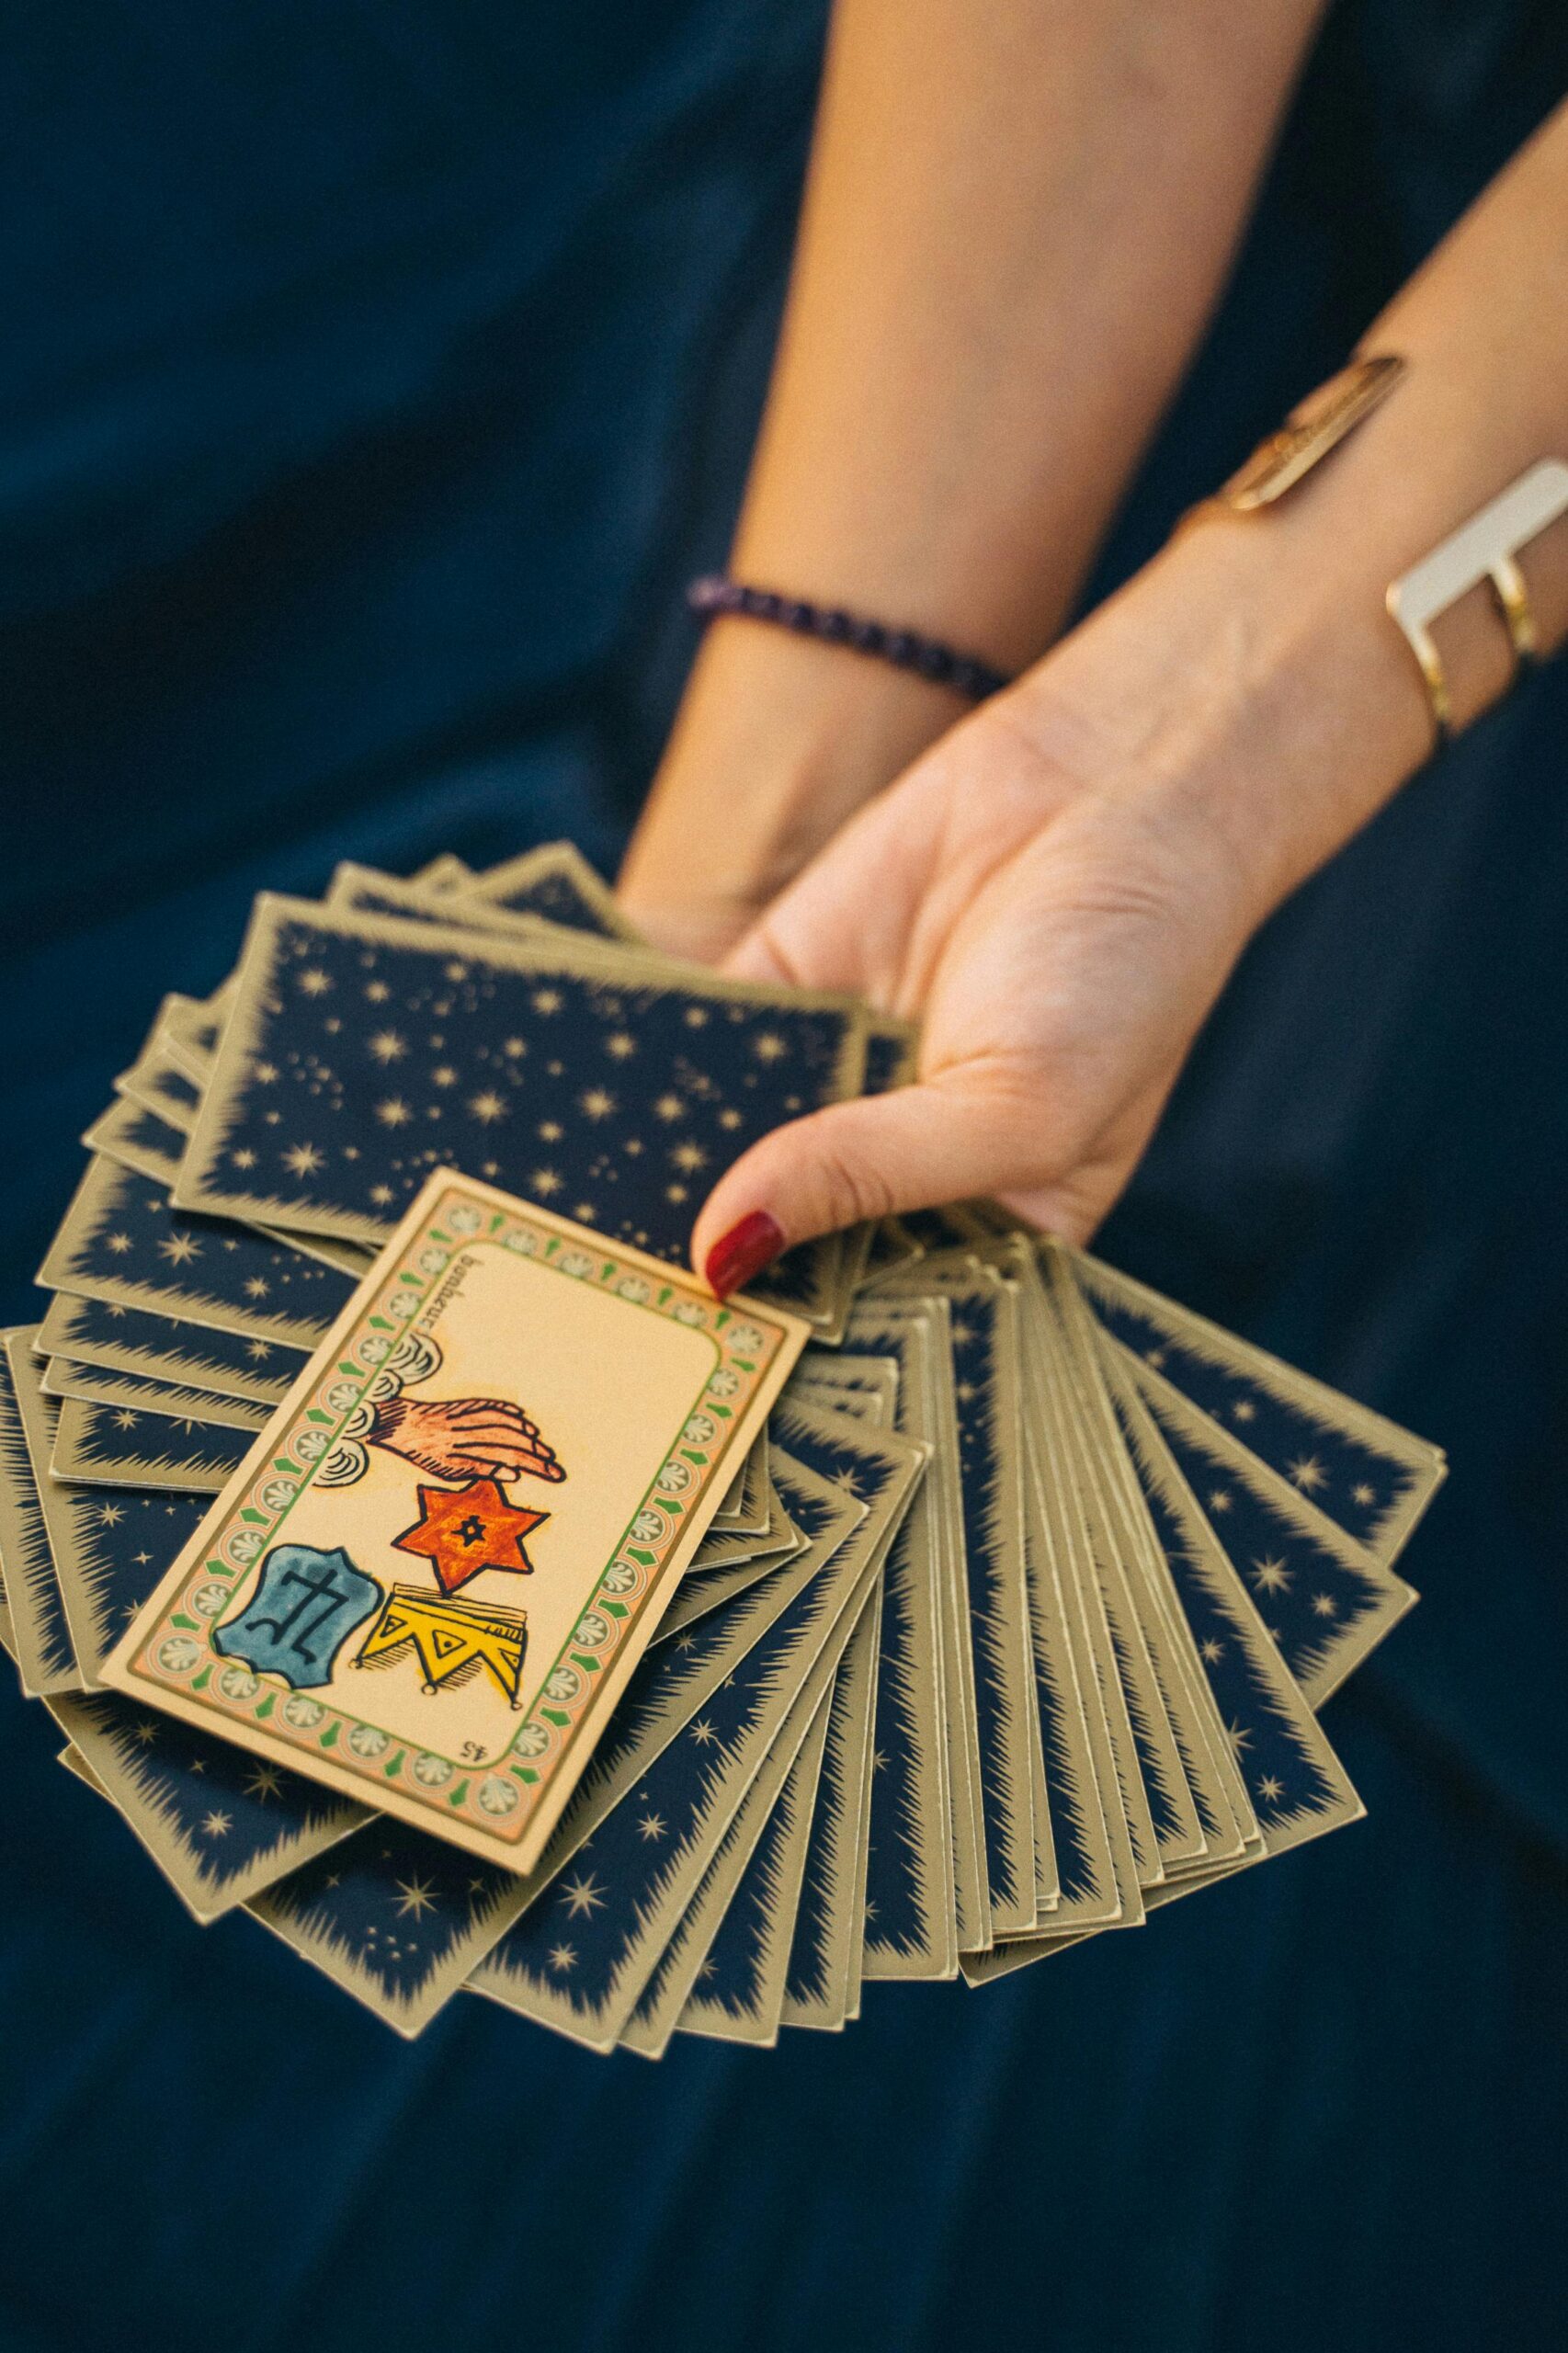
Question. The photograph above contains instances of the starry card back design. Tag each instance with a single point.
(682, 1968)
(372, 891)
(823, 1965)
(362, 1050)
(122, 1446)
(858, 1452)
(220, 1824)
(1062, 1523)
(187, 1029)
(434, 1572)
(705, 1589)
(1327, 1601)
(891, 1251)
(41, 1637)
(109, 1546)
(98, 1384)
(816, 1279)
(1371, 1478)
(124, 1244)
(1293, 1782)
(393, 1917)
(1074, 1743)
(1223, 1815)
(910, 1920)
(739, 1994)
(944, 1488)
(160, 1347)
(556, 884)
(1173, 1722)
(157, 1082)
(138, 1139)
(1294, 1787)
(984, 1340)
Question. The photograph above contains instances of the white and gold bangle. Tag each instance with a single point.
(1485, 547)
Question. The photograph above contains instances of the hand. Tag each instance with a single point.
(465, 1437)
(1062, 955)
(1059, 890)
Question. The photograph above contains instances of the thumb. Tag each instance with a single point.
(866, 1158)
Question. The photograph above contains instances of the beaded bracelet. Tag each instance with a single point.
(715, 594)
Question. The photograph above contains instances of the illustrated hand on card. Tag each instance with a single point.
(390, 1605)
(456, 1439)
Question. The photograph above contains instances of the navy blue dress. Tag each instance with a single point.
(374, 377)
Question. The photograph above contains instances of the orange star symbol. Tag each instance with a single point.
(463, 1530)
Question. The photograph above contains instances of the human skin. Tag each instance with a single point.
(1059, 886)
(1017, 221)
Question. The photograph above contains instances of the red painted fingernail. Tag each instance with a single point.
(738, 1256)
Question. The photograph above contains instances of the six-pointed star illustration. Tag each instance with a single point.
(463, 1530)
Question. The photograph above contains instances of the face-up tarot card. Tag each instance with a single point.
(434, 1572)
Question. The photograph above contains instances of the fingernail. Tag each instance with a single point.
(738, 1256)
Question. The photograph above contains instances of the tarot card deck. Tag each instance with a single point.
(419, 1558)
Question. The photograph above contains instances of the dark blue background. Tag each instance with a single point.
(374, 375)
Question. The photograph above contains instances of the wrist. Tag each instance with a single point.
(1262, 699)
(777, 741)
(1335, 714)
(1320, 715)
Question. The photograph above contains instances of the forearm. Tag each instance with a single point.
(1017, 222)
(1258, 663)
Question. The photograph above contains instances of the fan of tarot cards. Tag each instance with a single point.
(420, 1559)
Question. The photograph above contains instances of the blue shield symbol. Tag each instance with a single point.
(302, 1613)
